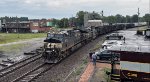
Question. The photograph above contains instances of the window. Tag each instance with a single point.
(55, 35)
(105, 52)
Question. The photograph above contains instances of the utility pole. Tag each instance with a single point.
(86, 18)
(148, 22)
(17, 22)
(4, 21)
(72, 22)
(126, 23)
(138, 15)
(64, 24)
(102, 16)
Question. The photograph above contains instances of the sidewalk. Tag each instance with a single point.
(87, 73)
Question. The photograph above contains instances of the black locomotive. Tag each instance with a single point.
(61, 44)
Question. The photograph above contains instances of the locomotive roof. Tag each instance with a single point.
(114, 34)
(132, 43)
(94, 20)
(64, 31)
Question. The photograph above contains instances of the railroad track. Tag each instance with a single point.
(33, 74)
(18, 65)
(28, 58)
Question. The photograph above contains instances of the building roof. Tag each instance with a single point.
(20, 22)
(132, 43)
(94, 20)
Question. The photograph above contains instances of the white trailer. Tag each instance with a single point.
(147, 32)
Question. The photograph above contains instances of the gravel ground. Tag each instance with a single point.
(60, 71)
(15, 50)
(19, 72)
(98, 76)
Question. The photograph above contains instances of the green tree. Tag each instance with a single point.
(72, 22)
(128, 19)
(146, 17)
(55, 22)
(94, 16)
(111, 19)
(63, 23)
(135, 18)
(80, 18)
(119, 18)
(23, 19)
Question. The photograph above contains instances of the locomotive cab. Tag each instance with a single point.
(52, 47)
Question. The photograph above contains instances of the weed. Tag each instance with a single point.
(12, 37)
(9, 49)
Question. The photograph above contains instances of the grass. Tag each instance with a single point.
(105, 75)
(13, 37)
(81, 67)
(98, 45)
(100, 75)
(11, 48)
(78, 71)
(108, 79)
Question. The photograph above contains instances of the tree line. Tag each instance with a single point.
(13, 19)
(79, 19)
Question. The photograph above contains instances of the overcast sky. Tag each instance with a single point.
(68, 8)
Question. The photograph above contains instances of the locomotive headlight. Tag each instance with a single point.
(49, 45)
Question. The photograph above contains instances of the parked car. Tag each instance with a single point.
(113, 39)
(114, 36)
(105, 54)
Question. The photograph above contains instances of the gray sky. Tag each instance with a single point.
(68, 8)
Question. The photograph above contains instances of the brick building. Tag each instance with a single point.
(15, 27)
(42, 25)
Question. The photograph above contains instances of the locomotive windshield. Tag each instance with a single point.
(50, 35)
(55, 35)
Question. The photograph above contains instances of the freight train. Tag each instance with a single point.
(59, 45)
